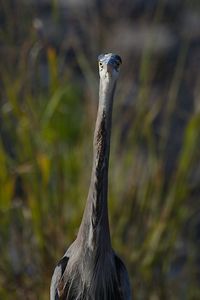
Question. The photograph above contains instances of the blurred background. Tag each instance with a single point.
(49, 97)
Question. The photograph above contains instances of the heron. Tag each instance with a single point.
(90, 269)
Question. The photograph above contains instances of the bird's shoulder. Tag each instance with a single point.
(123, 278)
(57, 276)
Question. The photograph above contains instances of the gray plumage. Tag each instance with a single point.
(90, 269)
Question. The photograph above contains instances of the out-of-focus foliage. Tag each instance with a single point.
(49, 93)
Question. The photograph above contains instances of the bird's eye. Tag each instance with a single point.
(101, 65)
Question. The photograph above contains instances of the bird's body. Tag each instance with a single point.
(90, 269)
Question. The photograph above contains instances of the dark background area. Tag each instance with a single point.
(49, 97)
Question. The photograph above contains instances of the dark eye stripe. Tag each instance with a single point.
(118, 58)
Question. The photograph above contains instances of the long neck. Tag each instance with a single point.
(94, 229)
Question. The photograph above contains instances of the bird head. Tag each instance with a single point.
(109, 66)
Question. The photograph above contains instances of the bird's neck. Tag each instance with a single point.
(94, 228)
